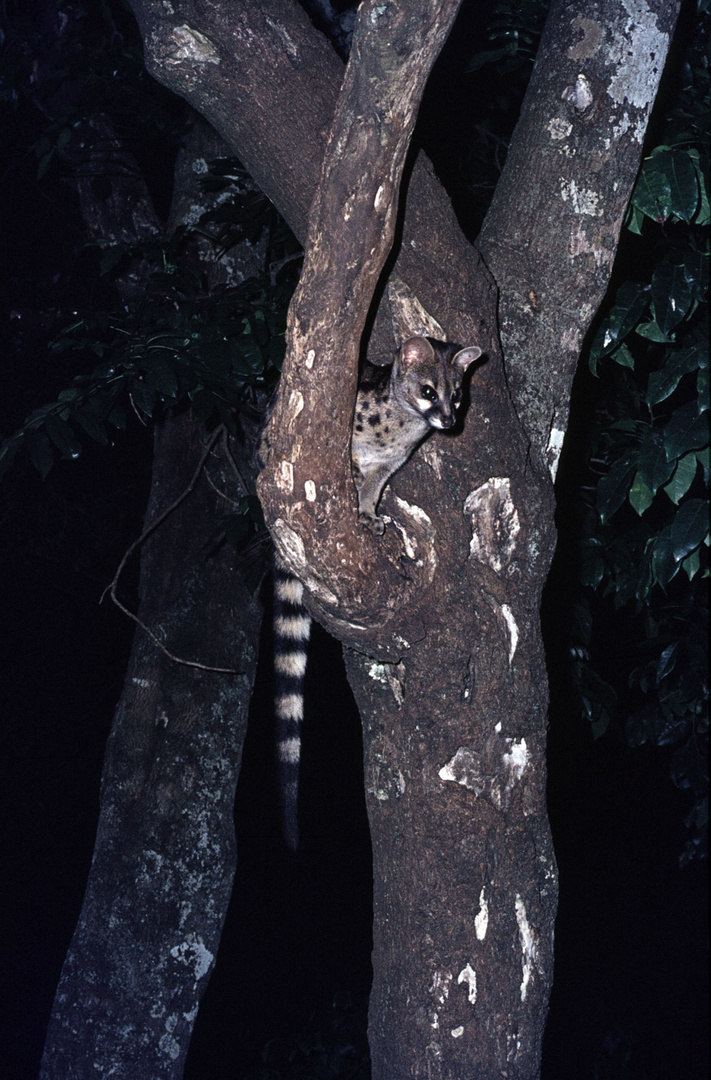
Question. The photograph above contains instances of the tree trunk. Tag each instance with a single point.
(164, 860)
(441, 615)
(165, 856)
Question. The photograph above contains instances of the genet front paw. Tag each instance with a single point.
(372, 522)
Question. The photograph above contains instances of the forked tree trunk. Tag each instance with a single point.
(440, 616)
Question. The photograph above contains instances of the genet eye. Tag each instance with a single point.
(457, 395)
(428, 393)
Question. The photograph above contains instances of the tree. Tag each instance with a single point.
(444, 648)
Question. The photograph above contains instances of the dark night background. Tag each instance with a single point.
(630, 993)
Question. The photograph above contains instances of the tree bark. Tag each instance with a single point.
(552, 230)
(164, 860)
(441, 616)
(165, 855)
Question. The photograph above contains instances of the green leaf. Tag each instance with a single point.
(667, 661)
(144, 397)
(641, 494)
(672, 295)
(592, 564)
(702, 389)
(664, 565)
(631, 300)
(598, 698)
(613, 488)
(42, 167)
(652, 192)
(159, 374)
(667, 185)
(684, 185)
(62, 436)
(683, 477)
(653, 471)
(696, 267)
(93, 427)
(689, 527)
(703, 216)
(39, 450)
(652, 332)
(117, 417)
(685, 431)
(664, 382)
(635, 220)
(692, 564)
(623, 357)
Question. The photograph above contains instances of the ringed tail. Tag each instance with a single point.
(292, 628)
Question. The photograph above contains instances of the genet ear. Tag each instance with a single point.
(416, 350)
(465, 357)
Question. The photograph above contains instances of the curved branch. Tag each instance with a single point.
(268, 82)
(306, 487)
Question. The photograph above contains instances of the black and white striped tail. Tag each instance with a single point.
(292, 627)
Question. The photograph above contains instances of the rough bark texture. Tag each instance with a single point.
(164, 859)
(551, 233)
(165, 856)
(449, 672)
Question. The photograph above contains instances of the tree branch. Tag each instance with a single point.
(306, 488)
(551, 233)
(236, 69)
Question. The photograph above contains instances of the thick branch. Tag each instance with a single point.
(306, 488)
(268, 82)
(552, 230)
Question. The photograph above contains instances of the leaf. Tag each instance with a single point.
(653, 471)
(93, 427)
(653, 332)
(117, 417)
(652, 192)
(664, 382)
(702, 389)
(592, 564)
(44, 164)
(623, 357)
(598, 698)
(635, 219)
(684, 185)
(703, 216)
(685, 431)
(159, 374)
(613, 487)
(683, 477)
(39, 450)
(641, 494)
(664, 565)
(696, 267)
(667, 661)
(631, 300)
(144, 397)
(62, 436)
(689, 527)
(672, 295)
(667, 185)
(692, 564)
(637, 726)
